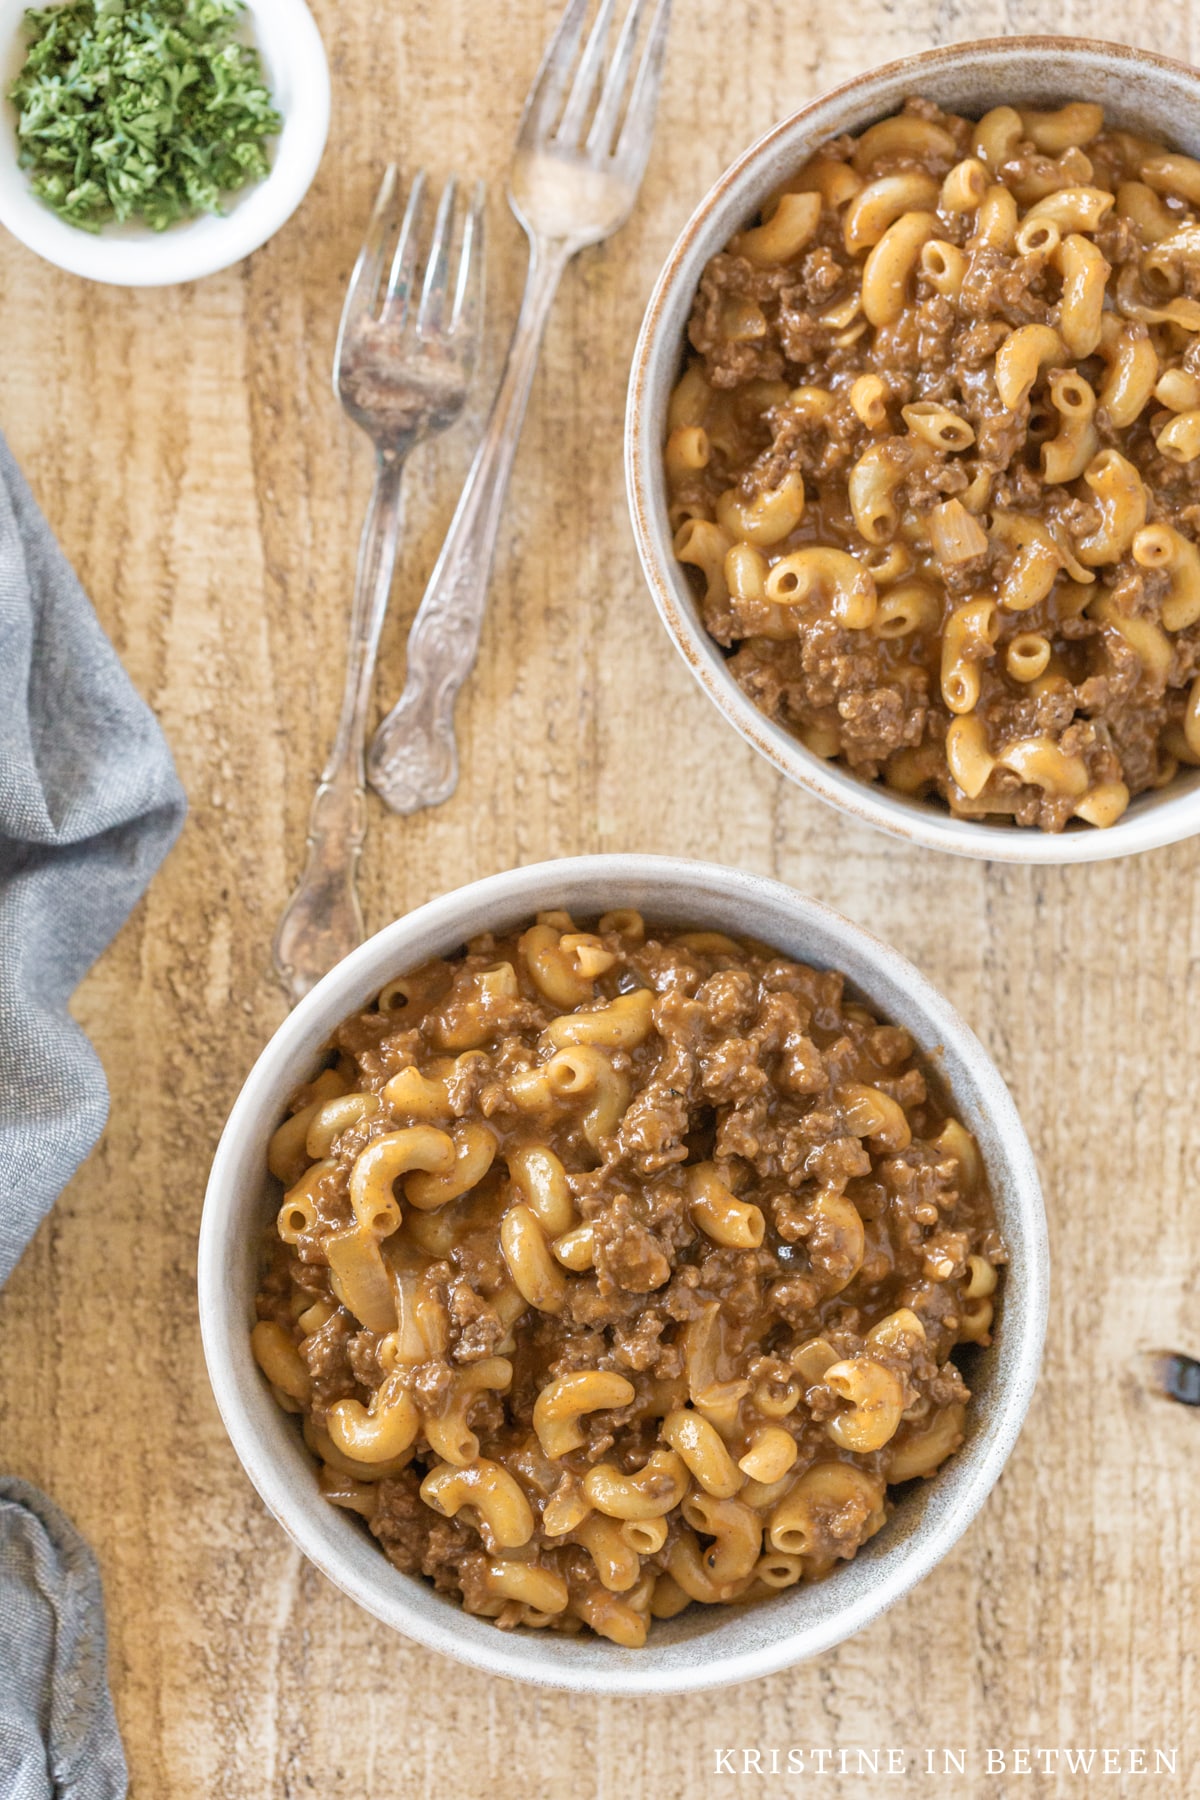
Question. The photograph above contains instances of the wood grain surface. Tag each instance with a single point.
(187, 450)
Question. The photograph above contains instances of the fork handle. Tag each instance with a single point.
(322, 921)
(413, 760)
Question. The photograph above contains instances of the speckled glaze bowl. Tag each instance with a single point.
(1144, 93)
(706, 1646)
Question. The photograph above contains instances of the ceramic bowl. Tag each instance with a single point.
(132, 255)
(706, 1646)
(1140, 91)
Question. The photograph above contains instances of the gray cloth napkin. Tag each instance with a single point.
(89, 806)
(58, 1735)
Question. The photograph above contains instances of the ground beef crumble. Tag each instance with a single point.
(775, 352)
(777, 1175)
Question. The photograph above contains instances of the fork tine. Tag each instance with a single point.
(431, 314)
(468, 296)
(364, 282)
(633, 145)
(612, 95)
(549, 84)
(404, 263)
(583, 87)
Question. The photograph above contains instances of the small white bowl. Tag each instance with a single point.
(131, 255)
(1144, 93)
(706, 1646)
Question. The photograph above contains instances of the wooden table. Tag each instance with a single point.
(187, 450)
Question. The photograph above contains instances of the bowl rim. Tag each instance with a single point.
(1176, 814)
(136, 257)
(222, 1249)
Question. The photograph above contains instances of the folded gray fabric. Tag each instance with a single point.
(89, 806)
(58, 1735)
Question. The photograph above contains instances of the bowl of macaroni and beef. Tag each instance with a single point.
(631, 1256)
(914, 449)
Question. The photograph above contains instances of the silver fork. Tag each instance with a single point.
(405, 352)
(572, 183)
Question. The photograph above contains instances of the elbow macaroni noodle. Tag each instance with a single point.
(559, 1332)
(955, 372)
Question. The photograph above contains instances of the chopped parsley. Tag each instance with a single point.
(140, 109)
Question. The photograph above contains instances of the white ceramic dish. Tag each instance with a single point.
(1145, 93)
(705, 1647)
(132, 255)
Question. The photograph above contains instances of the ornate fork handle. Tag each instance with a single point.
(413, 761)
(322, 921)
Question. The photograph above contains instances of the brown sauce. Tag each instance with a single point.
(966, 359)
(697, 1174)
